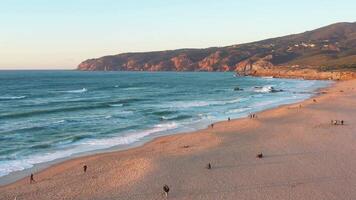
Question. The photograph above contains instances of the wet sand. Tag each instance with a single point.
(305, 157)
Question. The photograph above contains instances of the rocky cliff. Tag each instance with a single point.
(324, 53)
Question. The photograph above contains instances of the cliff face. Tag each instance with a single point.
(325, 53)
(264, 67)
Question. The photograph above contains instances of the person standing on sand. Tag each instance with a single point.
(32, 180)
(85, 167)
(166, 190)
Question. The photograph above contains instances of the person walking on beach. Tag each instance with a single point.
(208, 166)
(32, 180)
(228, 119)
(85, 167)
(166, 190)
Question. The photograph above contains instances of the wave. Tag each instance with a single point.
(164, 112)
(267, 89)
(12, 98)
(83, 144)
(116, 105)
(263, 89)
(178, 117)
(237, 110)
(40, 146)
(191, 104)
(66, 109)
(60, 121)
(124, 101)
(77, 91)
(26, 127)
(49, 111)
(134, 88)
(267, 77)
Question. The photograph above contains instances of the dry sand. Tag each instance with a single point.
(305, 157)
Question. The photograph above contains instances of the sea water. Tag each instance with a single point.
(49, 115)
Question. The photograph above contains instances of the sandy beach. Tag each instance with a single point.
(305, 157)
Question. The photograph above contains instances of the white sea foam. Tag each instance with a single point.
(12, 97)
(59, 121)
(267, 77)
(116, 105)
(77, 91)
(238, 110)
(264, 89)
(7, 167)
(191, 104)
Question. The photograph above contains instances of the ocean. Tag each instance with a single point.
(49, 115)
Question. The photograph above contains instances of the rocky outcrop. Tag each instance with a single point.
(264, 67)
(183, 63)
(325, 53)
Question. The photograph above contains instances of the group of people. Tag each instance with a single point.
(337, 122)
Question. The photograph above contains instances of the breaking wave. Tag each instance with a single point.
(12, 98)
(264, 89)
(190, 104)
(77, 91)
(82, 145)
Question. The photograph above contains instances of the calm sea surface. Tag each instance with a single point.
(47, 115)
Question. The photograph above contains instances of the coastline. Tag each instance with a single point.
(199, 126)
(142, 161)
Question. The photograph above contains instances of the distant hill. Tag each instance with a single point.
(325, 53)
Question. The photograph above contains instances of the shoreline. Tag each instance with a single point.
(15, 176)
(201, 141)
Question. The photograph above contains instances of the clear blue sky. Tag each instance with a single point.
(62, 33)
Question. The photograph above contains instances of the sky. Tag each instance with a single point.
(59, 34)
